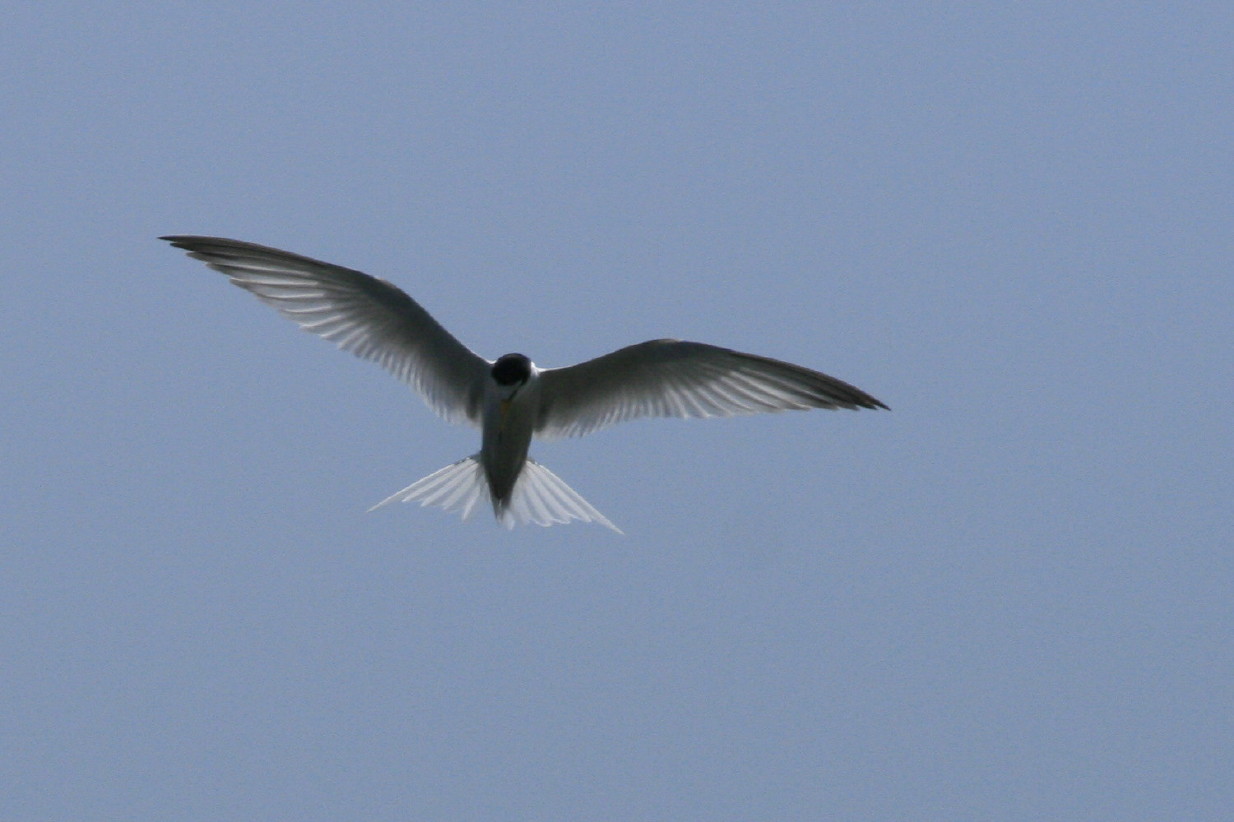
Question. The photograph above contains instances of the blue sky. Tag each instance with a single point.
(1009, 598)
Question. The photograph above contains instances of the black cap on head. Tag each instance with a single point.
(511, 369)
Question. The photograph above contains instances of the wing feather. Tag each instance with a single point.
(371, 318)
(672, 378)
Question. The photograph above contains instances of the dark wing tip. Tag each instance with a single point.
(860, 399)
(824, 390)
(193, 243)
(854, 398)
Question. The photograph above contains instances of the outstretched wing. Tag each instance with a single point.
(371, 318)
(671, 378)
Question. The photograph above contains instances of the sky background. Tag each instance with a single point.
(1009, 598)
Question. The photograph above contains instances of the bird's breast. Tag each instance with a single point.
(508, 427)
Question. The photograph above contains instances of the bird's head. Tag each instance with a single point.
(511, 372)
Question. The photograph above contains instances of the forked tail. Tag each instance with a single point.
(539, 497)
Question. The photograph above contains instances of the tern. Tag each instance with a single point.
(510, 399)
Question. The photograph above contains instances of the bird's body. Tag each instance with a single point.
(511, 411)
(510, 399)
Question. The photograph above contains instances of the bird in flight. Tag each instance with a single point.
(510, 399)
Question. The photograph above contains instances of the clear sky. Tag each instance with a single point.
(1008, 598)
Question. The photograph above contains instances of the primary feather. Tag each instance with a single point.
(672, 378)
(369, 317)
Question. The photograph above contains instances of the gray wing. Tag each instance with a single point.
(671, 378)
(369, 317)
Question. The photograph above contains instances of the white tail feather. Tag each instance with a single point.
(540, 497)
